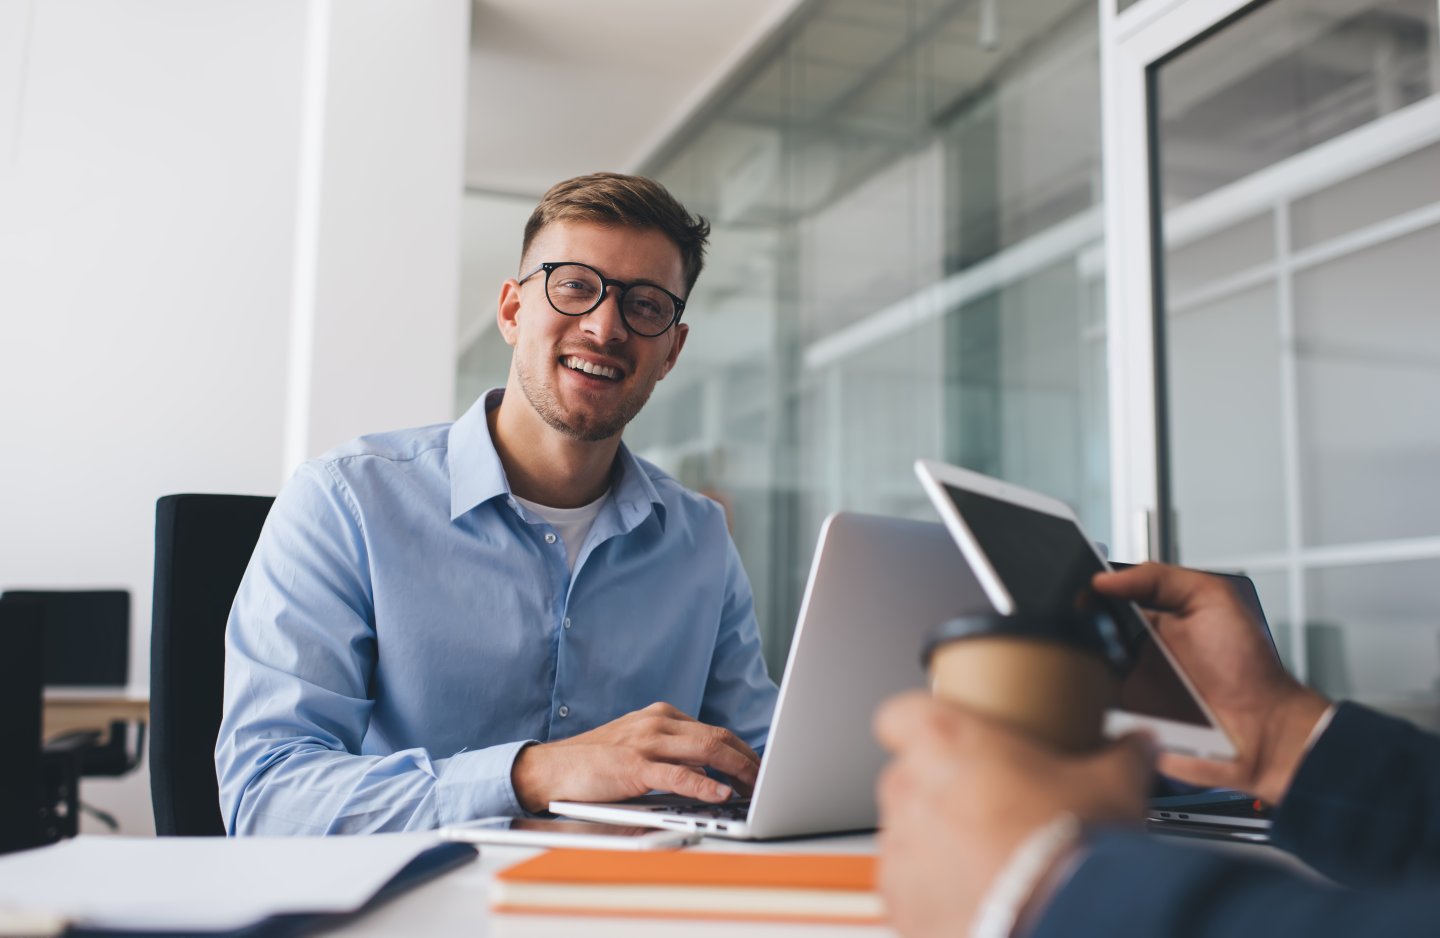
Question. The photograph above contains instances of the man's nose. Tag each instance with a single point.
(604, 322)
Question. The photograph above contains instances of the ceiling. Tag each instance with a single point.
(559, 88)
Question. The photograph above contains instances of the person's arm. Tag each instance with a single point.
(299, 660)
(965, 800)
(977, 822)
(1364, 807)
(1360, 802)
(1131, 884)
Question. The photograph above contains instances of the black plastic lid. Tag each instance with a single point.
(1092, 631)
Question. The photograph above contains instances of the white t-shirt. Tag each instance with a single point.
(572, 524)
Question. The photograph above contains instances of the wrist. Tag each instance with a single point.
(527, 778)
(1029, 876)
(1289, 739)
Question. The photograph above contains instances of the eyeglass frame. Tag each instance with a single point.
(605, 284)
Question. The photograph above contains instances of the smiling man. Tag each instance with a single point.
(481, 617)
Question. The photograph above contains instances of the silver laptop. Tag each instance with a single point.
(877, 587)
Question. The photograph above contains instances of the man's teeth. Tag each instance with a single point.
(579, 364)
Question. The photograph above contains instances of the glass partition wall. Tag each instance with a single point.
(905, 199)
(909, 260)
(1297, 160)
(906, 262)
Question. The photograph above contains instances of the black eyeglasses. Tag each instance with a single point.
(575, 289)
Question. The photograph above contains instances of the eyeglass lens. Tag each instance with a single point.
(576, 290)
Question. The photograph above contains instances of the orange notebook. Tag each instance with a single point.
(688, 884)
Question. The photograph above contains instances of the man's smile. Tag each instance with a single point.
(594, 369)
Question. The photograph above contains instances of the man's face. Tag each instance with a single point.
(552, 351)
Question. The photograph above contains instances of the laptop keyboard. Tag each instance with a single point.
(737, 809)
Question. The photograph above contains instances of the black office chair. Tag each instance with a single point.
(202, 546)
(87, 645)
(26, 808)
(87, 635)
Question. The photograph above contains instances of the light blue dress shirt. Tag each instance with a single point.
(405, 627)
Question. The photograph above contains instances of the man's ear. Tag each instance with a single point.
(681, 330)
(507, 312)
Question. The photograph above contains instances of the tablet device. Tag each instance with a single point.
(1030, 555)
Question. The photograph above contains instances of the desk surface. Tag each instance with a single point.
(458, 903)
(82, 708)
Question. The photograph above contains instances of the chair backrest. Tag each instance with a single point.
(202, 546)
(22, 783)
(87, 635)
(87, 645)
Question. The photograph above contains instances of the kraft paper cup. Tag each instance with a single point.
(1051, 677)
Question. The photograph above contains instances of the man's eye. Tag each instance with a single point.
(572, 286)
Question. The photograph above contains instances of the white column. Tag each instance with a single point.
(378, 221)
(229, 237)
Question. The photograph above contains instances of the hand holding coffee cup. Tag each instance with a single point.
(1050, 676)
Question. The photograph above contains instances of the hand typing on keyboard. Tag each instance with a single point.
(654, 749)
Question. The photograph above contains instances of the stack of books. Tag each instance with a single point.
(828, 888)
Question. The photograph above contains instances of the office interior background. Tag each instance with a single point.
(1172, 261)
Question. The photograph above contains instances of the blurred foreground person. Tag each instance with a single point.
(987, 832)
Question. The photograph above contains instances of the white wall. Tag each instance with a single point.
(229, 234)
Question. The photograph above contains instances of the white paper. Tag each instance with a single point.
(200, 883)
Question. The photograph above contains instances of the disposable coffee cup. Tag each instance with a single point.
(1051, 677)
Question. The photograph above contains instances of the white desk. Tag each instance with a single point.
(458, 903)
(132, 880)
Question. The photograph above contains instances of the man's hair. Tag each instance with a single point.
(629, 201)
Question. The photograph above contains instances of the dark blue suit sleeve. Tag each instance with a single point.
(1364, 808)
(1133, 884)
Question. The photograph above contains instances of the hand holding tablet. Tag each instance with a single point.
(1031, 556)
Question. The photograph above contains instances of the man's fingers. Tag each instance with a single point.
(905, 719)
(736, 743)
(1204, 772)
(685, 780)
(666, 711)
(1127, 764)
(662, 732)
(701, 745)
(1156, 586)
(667, 720)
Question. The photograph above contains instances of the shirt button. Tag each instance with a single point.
(549, 539)
(567, 622)
(564, 711)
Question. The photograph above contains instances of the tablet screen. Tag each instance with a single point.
(1046, 564)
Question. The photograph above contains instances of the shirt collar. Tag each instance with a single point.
(477, 475)
(634, 494)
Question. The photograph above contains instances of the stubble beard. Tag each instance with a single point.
(542, 398)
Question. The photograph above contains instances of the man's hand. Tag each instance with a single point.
(964, 791)
(655, 749)
(1267, 713)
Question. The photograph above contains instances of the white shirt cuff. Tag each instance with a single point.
(1027, 867)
